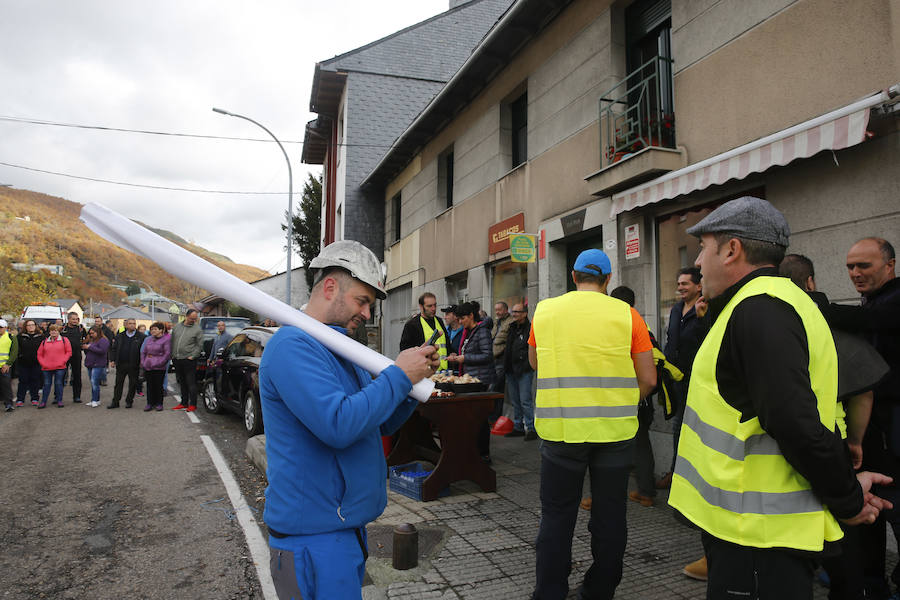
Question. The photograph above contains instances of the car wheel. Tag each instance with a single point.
(252, 414)
(210, 400)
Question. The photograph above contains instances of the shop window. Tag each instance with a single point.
(510, 285)
(457, 288)
(445, 178)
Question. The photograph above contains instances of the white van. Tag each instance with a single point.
(43, 312)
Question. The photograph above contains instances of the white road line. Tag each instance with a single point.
(193, 418)
(259, 549)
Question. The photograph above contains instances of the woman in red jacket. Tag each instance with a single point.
(53, 354)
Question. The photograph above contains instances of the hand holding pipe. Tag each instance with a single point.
(189, 267)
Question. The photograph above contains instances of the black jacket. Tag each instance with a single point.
(515, 358)
(76, 336)
(762, 371)
(478, 352)
(413, 335)
(28, 347)
(127, 350)
(683, 338)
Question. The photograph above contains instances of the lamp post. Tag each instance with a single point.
(152, 298)
(290, 226)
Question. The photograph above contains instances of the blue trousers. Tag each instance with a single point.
(55, 379)
(96, 375)
(325, 566)
(518, 390)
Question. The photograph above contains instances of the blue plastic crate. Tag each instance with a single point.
(407, 480)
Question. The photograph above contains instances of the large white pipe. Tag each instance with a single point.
(189, 267)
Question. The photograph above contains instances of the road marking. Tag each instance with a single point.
(193, 418)
(259, 549)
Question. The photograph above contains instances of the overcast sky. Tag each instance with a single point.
(162, 66)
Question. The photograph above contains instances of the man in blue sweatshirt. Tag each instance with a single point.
(324, 417)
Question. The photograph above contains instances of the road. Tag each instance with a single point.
(99, 503)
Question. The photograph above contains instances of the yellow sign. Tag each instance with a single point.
(522, 248)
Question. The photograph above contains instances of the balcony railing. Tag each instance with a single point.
(637, 112)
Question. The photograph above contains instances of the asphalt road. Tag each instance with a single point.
(98, 503)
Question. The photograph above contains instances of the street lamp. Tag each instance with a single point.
(152, 298)
(290, 227)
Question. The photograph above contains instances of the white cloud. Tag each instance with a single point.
(163, 66)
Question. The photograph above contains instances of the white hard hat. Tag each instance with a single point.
(355, 258)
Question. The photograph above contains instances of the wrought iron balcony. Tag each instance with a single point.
(637, 112)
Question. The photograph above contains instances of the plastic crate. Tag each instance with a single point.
(407, 480)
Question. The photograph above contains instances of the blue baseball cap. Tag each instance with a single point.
(593, 262)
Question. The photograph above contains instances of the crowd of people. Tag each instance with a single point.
(46, 357)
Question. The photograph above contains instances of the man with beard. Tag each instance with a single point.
(324, 419)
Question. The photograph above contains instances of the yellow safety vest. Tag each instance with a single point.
(587, 389)
(441, 342)
(5, 347)
(730, 477)
(662, 386)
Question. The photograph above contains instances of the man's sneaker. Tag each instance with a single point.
(9, 408)
(179, 406)
(140, 393)
(148, 408)
(159, 407)
(128, 405)
(76, 400)
(697, 570)
(641, 499)
(112, 405)
(34, 402)
(59, 404)
(665, 482)
(42, 405)
(191, 408)
(95, 404)
(20, 403)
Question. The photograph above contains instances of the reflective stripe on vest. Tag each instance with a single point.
(441, 343)
(587, 390)
(730, 476)
(5, 347)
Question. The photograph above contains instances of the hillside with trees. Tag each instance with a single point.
(53, 234)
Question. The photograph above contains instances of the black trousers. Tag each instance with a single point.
(186, 375)
(756, 573)
(123, 371)
(562, 478)
(6, 396)
(31, 380)
(155, 387)
(75, 377)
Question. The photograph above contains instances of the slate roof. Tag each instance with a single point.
(65, 303)
(424, 55)
(127, 312)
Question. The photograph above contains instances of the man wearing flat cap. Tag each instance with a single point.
(761, 468)
(594, 363)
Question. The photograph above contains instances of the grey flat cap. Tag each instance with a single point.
(747, 217)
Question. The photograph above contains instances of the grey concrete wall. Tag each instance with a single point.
(476, 156)
(274, 286)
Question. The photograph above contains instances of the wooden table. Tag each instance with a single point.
(458, 420)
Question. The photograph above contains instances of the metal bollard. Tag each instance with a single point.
(406, 547)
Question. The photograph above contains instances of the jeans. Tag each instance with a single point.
(518, 391)
(186, 374)
(562, 478)
(96, 375)
(55, 379)
(30, 381)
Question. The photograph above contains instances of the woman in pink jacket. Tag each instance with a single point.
(155, 354)
(53, 354)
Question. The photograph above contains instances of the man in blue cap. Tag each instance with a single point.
(594, 362)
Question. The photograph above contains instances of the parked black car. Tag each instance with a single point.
(235, 387)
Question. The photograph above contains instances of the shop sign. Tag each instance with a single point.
(522, 247)
(498, 234)
(632, 242)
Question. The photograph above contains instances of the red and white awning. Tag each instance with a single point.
(835, 130)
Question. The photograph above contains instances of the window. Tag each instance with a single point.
(445, 177)
(395, 212)
(243, 346)
(510, 284)
(519, 115)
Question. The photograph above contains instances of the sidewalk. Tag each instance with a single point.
(487, 546)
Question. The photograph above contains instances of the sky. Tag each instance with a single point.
(162, 66)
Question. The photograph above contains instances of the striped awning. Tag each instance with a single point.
(835, 130)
